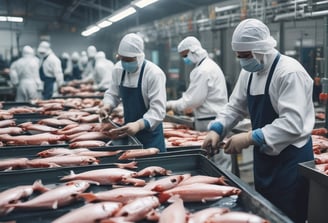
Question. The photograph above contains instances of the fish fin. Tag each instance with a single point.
(53, 165)
(211, 198)
(37, 185)
(88, 197)
(163, 197)
(71, 176)
(55, 205)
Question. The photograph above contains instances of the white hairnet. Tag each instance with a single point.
(100, 55)
(91, 51)
(27, 50)
(196, 51)
(131, 45)
(44, 47)
(65, 55)
(189, 43)
(252, 35)
(75, 56)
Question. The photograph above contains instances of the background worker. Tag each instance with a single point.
(207, 91)
(140, 84)
(50, 70)
(276, 91)
(24, 74)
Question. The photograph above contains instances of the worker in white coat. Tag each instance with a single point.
(207, 91)
(50, 70)
(276, 92)
(90, 67)
(24, 74)
(141, 86)
(103, 72)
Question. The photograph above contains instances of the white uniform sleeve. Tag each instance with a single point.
(196, 93)
(13, 73)
(291, 94)
(105, 73)
(112, 94)
(236, 109)
(155, 92)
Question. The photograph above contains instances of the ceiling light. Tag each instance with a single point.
(104, 24)
(90, 31)
(11, 19)
(121, 15)
(14, 19)
(143, 3)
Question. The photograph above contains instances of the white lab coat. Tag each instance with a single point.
(207, 91)
(103, 73)
(52, 68)
(24, 73)
(153, 90)
(291, 97)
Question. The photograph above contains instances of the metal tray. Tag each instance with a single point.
(318, 195)
(179, 120)
(12, 104)
(248, 201)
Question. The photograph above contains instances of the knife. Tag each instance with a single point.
(107, 119)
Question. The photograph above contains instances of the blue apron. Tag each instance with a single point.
(134, 109)
(48, 82)
(277, 178)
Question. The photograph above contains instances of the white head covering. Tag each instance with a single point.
(196, 51)
(75, 56)
(100, 55)
(27, 50)
(91, 51)
(65, 55)
(44, 47)
(252, 35)
(131, 45)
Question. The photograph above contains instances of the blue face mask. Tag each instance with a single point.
(250, 65)
(130, 67)
(187, 61)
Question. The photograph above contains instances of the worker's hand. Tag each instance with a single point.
(238, 142)
(104, 111)
(211, 143)
(169, 105)
(130, 128)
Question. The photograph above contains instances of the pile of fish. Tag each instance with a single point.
(65, 157)
(177, 135)
(320, 149)
(153, 193)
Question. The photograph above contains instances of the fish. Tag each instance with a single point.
(204, 179)
(13, 163)
(165, 183)
(14, 194)
(90, 213)
(11, 130)
(105, 176)
(123, 195)
(7, 123)
(236, 216)
(138, 208)
(202, 215)
(199, 192)
(135, 153)
(54, 198)
(55, 122)
(90, 136)
(36, 139)
(151, 171)
(28, 126)
(69, 160)
(79, 151)
(174, 213)
(87, 143)
(129, 165)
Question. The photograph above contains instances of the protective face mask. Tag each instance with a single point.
(130, 67)
(250, 65)
(187, 61)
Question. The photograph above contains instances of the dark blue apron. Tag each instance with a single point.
(134, 109)
(277, 178)
(48, 82)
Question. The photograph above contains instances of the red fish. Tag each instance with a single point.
(174, 213)
(199, 192)
(236, 217)
(135, 153)
(58, 197)
(90, 213)
(152, 171)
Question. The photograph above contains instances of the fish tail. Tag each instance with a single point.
(71, 176)
(37, 185)
(88, 197)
